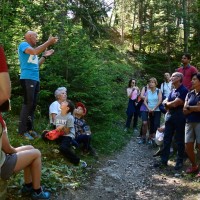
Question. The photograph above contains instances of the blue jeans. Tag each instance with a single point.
(131, 112)
(85, 140)
(31, 90)
(174, 124)
(65, 148)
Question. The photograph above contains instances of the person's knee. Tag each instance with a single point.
(29, 147)
(36, 152)
(64, 148)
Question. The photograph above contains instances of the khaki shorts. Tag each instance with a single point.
(7, 168)
(192, 132)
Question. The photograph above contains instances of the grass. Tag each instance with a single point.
(57, 172)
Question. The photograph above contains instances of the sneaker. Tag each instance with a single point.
(150, 142)
(142, 141)
(34, 134)
(82, 164)
(41, 195)
(178, 165)
(198, 175)
(192, 169)
(139, 136)
(25, 191)
(27, 136)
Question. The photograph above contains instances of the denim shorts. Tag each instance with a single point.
(192, 132)
(7, 168)
(144, 116)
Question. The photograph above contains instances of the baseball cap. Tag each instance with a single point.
(82, 106)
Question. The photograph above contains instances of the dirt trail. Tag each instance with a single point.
(129, 176)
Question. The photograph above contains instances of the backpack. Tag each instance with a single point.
(54, 134)
(139, 100)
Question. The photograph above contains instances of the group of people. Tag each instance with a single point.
(179, 95)
(13, 160)
(179, 100)
(66, 121)
(69, 127)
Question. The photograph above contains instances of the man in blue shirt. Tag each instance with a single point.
(29, 78)
(192, 112)
(174, 122)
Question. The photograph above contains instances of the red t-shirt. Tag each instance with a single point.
(3, 68)
(187, 75)
(3, 65)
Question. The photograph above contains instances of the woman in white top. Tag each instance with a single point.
(54, 108)
(132, 93)
(166, 87)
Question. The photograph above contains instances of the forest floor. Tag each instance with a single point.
(129, 175)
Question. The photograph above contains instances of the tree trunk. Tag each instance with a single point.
(185, 25)
(133, 27)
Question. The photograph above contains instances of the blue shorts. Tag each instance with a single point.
(8, 166)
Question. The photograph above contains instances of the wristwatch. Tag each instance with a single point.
(44, 57)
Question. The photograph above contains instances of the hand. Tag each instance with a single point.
(48, 52)
(164, 101)
(161, 129)
(59, 128)
(53, 40)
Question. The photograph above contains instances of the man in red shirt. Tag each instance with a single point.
(187, 70)
(5, 90)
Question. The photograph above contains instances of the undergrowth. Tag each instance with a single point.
(57, 172)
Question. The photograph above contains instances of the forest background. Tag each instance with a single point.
(102, 44)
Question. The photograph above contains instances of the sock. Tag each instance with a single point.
(38, 191)
(28, 185)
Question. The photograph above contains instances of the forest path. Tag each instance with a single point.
(129, 175)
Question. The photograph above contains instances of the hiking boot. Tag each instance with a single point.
(34, 134)
(25, 191)
(27, 136)
(41, 195)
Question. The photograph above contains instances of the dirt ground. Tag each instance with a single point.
(129, 175)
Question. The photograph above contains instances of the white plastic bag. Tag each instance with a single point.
(159, 138)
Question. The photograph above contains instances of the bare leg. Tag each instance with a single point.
(144, 129)
(23, 148)
(27, 172)
(30, 162)
(189, 148)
